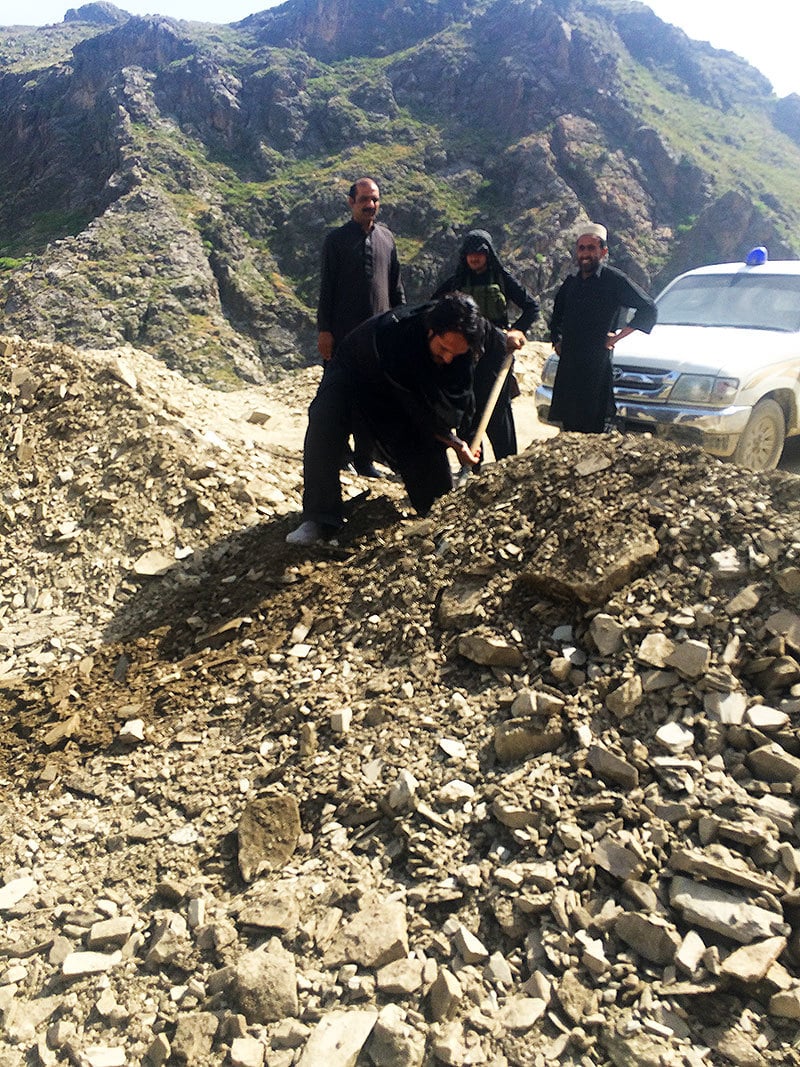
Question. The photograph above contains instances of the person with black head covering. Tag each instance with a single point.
(481, 275)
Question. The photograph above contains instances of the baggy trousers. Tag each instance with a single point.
(344, 401)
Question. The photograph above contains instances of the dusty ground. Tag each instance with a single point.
(510, 763)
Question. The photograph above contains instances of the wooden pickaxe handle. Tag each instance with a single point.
(491, 403)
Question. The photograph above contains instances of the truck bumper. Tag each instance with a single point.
(716, 430)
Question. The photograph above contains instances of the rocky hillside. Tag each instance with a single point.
(512, 785)
(168, 184)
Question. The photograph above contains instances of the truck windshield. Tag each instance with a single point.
(748, 301)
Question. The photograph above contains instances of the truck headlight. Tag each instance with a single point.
(704, 389)
(549, 370)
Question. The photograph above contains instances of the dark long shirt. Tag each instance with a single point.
(360, 277)
(383, 377)
(585, 311)
(395, 380)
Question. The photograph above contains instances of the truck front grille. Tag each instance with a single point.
(643, 383)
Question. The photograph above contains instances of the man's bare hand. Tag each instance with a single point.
(466, 457)
(515, 339)
(325, 345)
(612, 338)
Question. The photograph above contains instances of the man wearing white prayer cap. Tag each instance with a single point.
(584, 330)
(593, 229)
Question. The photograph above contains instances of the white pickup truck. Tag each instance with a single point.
(721, 368)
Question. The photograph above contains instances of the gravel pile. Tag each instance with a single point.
(515, 784)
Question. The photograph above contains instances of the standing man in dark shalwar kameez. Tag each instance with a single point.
(359, 278)
(584, 330)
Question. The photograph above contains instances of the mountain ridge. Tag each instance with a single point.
(168, 184)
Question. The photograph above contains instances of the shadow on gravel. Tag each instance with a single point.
(206, 601)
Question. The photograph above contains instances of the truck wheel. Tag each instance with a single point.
(762, 441)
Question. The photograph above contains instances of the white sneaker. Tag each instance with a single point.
(307, 533)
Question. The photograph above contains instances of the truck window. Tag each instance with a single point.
(747, 301)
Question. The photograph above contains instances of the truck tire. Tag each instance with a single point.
(763, 438)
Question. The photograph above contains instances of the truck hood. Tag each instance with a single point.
(723, 350)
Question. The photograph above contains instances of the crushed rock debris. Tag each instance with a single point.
(514, 784)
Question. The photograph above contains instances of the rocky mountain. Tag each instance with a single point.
(168, 184)
(513, 785)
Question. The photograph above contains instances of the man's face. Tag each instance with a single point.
(589, 252)
(366, 204)
(445, 347)
(477, 261)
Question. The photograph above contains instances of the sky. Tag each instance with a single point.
(764, 36)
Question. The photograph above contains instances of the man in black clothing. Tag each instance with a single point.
(408, 375)
(481, 275)
(360, 277)
(583, 331)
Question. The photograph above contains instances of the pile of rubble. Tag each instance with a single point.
(114, 468)
(514, 784)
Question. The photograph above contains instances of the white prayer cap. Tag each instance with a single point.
(592, 229)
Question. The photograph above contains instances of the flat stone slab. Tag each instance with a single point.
(714, 909)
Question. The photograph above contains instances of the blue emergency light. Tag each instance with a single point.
(756, 257)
